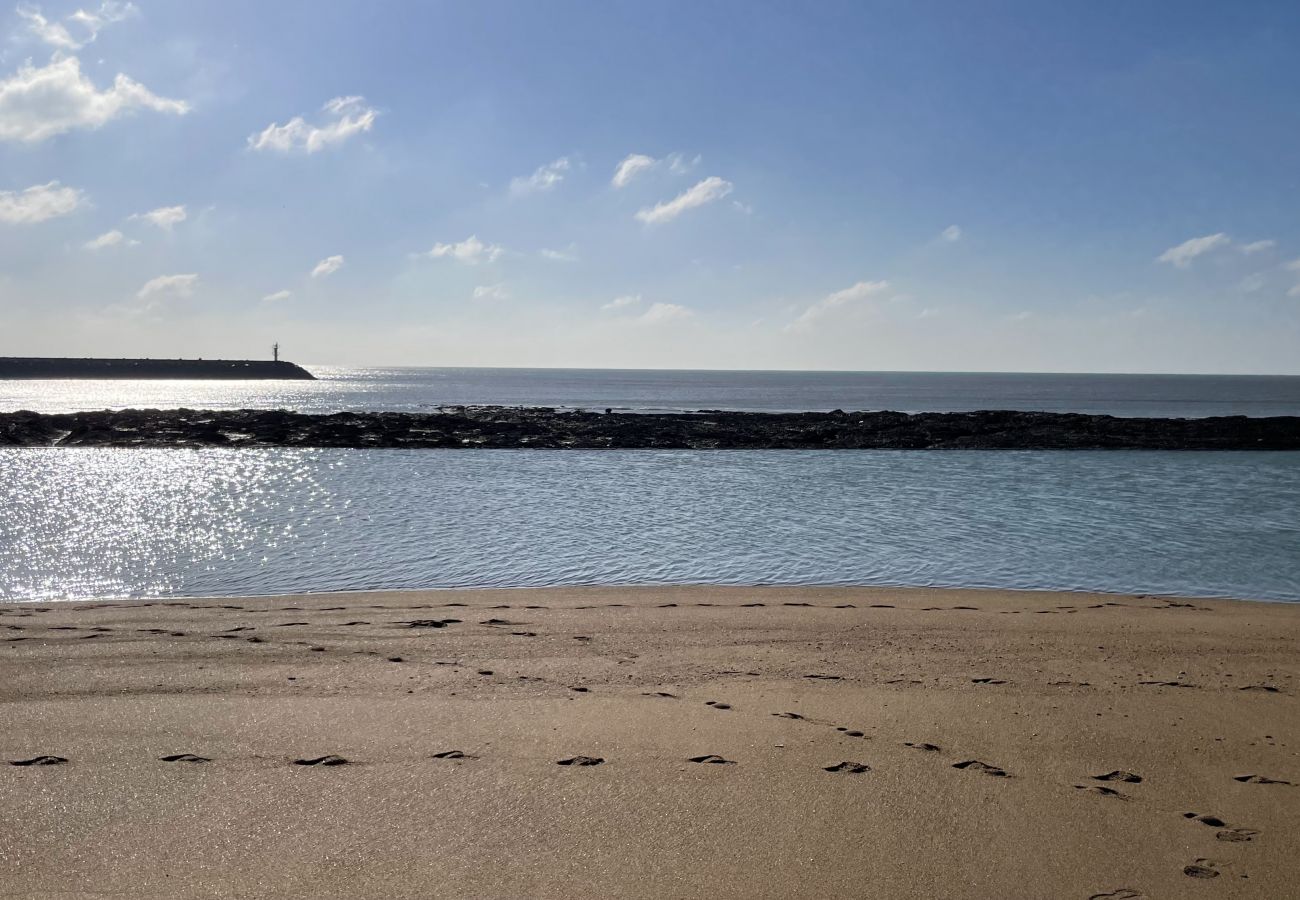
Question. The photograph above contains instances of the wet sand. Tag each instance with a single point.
(745, 742)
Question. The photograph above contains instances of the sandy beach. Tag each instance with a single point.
(744, 742)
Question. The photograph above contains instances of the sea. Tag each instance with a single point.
(90, 523)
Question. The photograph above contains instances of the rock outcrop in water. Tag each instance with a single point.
(509, 427)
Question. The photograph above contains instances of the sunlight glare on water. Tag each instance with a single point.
(83, 523)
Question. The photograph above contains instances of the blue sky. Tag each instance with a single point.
(937, 186)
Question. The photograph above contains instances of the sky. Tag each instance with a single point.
(939, 186)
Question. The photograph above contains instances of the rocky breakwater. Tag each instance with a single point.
(509, 427)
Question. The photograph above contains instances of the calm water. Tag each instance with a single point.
(81, 523)
(416, 389)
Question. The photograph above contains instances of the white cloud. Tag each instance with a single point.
(1251, 283)
(569, 255)
(110, 239)
(951, 234)
(470, 251)
(1294, 292)
(1257, 247)
(86, 24)
(635, 163)
(36, 104)
(277, 296)
(664, 312)
(1292, 266)
(623, 302)
(1182, 255)
(165, 217)
(38, 203)
(327, 266)
(710, 189)
(491, 292)
(169, 286)
(349, 116)
(837, 300)
(545, 178)
(631, 166)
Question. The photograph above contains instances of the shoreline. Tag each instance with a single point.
(363, 593)
(873, 742)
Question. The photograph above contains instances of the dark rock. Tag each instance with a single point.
(513, 427)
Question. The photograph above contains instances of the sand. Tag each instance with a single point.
(850, 742)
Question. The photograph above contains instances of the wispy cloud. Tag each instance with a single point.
(112, 238)
(622, 302)
(169, 285)
(544, 179)
(346, 118)
(470, 251)
(951, 234)
(491, 292)
(841, 299)
(36, 104)
(659, 313)
(38, 203)
(707, 191)
(568, 255)
(77, 30)
(277, 297)
(631, 166)
(327, 266)
(1257, 247)
(165, 217)
(1182, 255)
(634, 164)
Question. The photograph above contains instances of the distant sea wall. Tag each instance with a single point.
(511, 427)
(37, 367)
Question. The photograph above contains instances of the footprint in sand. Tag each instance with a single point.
(330, 760)
(431, 623)
(582, 761)
(1119, 775)
(751, 604)
(1202, 868)
(788, 715)
(1228, 833)
(453, 754)
(928, 748)
(716, 705)
(987, 681)
(184, 757)
(659, 694)
(1120, 894)
(1179, 684)
(1263, 688)
(826, 677)
(849, 732)
(847, 767)
(39, 761)
(499, 622)
(581, 690)
(712, 758)
(1258, 779)
(976, 765)
(1103, 791)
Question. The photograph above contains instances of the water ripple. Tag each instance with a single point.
(82, 523)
